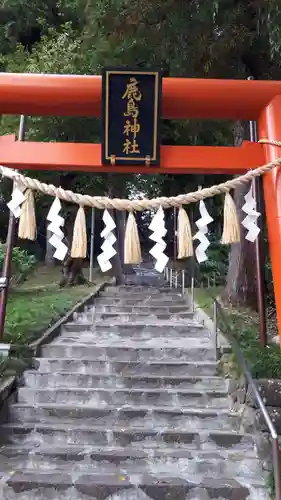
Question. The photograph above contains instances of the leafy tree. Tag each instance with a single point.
(209, 39)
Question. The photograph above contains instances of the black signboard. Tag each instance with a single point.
(131, 113)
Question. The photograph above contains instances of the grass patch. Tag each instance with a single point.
(38, 303)
(264, 362)
(203, 297)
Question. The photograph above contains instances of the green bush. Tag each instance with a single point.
(264, 362)
(215, 268)
(22, 262)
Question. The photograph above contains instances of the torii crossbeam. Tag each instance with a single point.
(68, 95)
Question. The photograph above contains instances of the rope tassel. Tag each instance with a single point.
(27, 222)
(132, 249)
(231, 228)
(79, 240)
(184, 235)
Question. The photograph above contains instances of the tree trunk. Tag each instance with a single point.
(118, 259)
(72, 269)
(72, 272)
(241, 287)
(49, 259)
(120, 219)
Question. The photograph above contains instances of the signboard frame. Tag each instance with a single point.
(148, 152)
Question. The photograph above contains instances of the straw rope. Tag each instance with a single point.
(102, 202)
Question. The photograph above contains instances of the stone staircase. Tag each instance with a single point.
(126, 405)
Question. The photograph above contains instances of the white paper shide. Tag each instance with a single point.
(157, 225)
(202, 225)
(56, 222)
(250, 221)
(108, 251)
(17, 199)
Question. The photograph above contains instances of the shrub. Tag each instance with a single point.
(22, 262)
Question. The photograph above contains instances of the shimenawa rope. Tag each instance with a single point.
(102, 202)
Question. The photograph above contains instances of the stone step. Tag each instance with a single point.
(138, 317)
(116, 455)
(140, 417)
(128, 289)
(135, 329)
(120, 397)
(109, 338)
(154, 292)
(137, 300)
(108, 307)
(192, 461)
(114, 350)
(145, 368)
(28, 485)
(193, 467)
(60, 434)
(37, 380)
(126, 406)
(178, 298)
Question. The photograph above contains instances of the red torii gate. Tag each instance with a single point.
(68, 95)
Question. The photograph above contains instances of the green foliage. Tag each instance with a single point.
(36, 304)
(264, 362)
(22, 261)
(30, 312)
(211, 39)
(214, 270)
(11, 366)
(32, 307)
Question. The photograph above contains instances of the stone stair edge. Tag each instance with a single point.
(144, 363)
(99, 325)
(140, 344)
(92, 481)
(54, 330)
(119, 474)
(134, 409)
(86, 390)
(203, 317)
(29, 426)
(121, 450)
(193, 378)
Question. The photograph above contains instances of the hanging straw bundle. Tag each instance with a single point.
(132, 249)
(185, 246)
(27, 222)
(231, 227)
(79, 240)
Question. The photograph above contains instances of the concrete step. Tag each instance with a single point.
(110, 338)
(60, 434)
(142, 369)
(117, 455)
(192, 467)
(117, 485)
(154, 292)
(145, 300)
(107, 307)
(134, 329)
(36, 380)
(127, 289)
(140, 417)
(120, 397)
(126, 406)
(79, 459)
(152, 350)
(137, 317)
